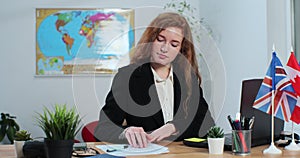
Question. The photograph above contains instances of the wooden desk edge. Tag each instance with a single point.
(177, 149)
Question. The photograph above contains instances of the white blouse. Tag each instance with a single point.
(165, 91)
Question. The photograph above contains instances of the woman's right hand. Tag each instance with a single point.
(137, 137)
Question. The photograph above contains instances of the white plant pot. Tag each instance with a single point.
(215, 145)
(19, 148)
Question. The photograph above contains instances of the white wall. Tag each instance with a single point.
(241, 37)
(239, 26)
(23, 94)
(244, 31)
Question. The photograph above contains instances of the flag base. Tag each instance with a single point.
(292, 146)
(272, 150)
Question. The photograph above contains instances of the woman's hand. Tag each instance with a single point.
(137, 137)
(162, 132)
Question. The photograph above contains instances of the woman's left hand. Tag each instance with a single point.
(162, 132)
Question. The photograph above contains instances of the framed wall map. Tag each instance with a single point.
(83, 41)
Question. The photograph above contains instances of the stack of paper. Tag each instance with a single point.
(119, 150)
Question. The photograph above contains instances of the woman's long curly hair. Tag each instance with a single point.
(142, 52)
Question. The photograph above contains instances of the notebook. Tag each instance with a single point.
(204, 144)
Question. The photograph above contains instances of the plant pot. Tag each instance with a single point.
(215, 145)
(19, 148)
(59, 148)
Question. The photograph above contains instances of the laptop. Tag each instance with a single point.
(261, 130)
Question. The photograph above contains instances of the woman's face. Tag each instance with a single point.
(166, 46)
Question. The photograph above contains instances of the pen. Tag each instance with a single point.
(243, 122)
(247, 123)
(230, 122)
(237, 116)
(237, 125)
(234, 134)
(251, 122)
(117, 149)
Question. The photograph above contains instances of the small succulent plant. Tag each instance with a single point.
(215, 132)
(22, 135)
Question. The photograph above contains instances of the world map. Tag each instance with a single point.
(87, 37)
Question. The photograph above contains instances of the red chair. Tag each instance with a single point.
(87, 132)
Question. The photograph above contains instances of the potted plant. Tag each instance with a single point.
(8, 127)
(215, 138)
(20, 138)
(60, 126)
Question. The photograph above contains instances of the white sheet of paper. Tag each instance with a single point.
(120, 151)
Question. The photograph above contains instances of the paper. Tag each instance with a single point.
(119, 150)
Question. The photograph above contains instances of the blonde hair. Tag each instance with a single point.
(142, 52)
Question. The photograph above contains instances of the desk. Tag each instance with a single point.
(178, 150)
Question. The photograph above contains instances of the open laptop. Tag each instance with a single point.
(261, 131)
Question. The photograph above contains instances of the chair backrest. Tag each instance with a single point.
(87, 132)
(261, 132)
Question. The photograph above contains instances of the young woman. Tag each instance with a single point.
(158, 96)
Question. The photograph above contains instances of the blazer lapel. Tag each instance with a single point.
(143, 76)
(177, 94)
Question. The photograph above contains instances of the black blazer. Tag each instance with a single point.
(133, 97)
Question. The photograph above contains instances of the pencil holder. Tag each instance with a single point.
(241, 142)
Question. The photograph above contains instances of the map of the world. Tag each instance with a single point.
(73, 41)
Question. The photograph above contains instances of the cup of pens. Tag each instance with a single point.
(241, 134)
(241, 142)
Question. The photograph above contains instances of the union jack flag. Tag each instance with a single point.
(285, 98)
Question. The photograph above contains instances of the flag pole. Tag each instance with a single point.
(272, 149)
(292, 146)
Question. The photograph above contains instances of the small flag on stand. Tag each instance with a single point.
(293, 71)
(284, 94)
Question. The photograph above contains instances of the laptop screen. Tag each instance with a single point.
(261, 131)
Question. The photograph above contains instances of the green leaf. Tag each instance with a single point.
(2, 134)
(22, 135)
(215, 132)
(11, 134)
(8, 127)
(60, 124)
